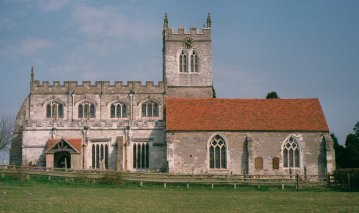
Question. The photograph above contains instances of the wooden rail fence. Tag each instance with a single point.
(282, 181)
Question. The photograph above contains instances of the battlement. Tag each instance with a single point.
(196, 34)
(96, 87)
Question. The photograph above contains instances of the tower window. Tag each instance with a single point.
(118, 110)
(54, 110)
(86, 110)
(150, 109)
(183, 62)
(194, 62)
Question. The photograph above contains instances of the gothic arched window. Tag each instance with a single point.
(291, 153)
(54, 110)
(86, 110)
(150, 109)
(194, 62)
(140, 155)
(183, 62)
(119, 110)
(217, 153)
(99, 156)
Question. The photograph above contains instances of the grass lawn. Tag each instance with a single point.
(34, 196)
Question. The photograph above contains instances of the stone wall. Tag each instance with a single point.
(188, 152)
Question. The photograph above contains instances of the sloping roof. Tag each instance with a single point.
(74, 142)
(245, 114)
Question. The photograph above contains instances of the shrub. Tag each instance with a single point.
(342, 176)
(112, 178)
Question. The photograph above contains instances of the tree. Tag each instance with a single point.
(352, 148)
(271, 95)
(340, 153)
(6, 128)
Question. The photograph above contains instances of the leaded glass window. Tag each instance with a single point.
(140, 155)
(86, 110)
(217, 153)
(54, 110)
(150, 109)
(100, 156)
(291, 153)
(194, 62)
(183, 61)
(119, 110)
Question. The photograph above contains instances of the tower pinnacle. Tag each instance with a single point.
(165, 21)
(32, 74)
(209, 22)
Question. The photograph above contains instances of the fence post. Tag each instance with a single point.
(235, 186)
(187, 185)
(297, 181)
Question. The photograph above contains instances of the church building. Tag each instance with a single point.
(174, 126)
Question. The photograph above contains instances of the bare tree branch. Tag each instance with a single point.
(6, 129)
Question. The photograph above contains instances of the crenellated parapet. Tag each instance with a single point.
(98, 87)
(180, 33)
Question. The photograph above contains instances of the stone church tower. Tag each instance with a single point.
(187, 61)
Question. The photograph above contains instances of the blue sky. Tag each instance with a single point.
(300, 49)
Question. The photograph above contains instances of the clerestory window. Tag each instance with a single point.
(86, 110)
(119, 110)
(217, 153)
(150, 109)
(291, 153)
(54, 110)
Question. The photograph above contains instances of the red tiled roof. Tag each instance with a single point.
(74, 142)
(245, 114)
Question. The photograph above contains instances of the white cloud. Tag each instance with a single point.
(109, 25)
(51, 5)
(27, 47)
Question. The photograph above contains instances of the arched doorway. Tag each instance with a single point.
(62, 159)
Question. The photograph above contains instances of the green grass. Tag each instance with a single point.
(67, 196)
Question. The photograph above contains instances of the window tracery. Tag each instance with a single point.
(183, 62)
(291, 153)
(150, 109)
(54, 110)
(119, 110)
(217, 153)
(86, 110)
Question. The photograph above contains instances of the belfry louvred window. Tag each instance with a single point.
(194, 62)
(183, 62)
(217, 153)
(54, 110)
(86, 110)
